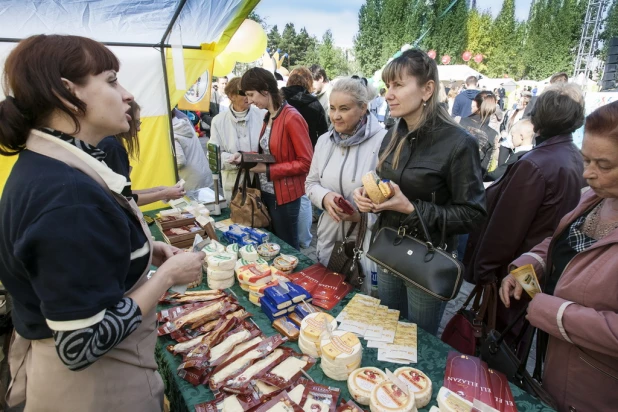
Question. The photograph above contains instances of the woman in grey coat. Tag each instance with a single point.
(342, 156)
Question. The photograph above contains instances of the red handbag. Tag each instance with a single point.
(469, 327)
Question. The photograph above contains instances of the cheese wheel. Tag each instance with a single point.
(449, 401)
(260, 288)
(308, 348)
(341, 348)
(285, 263)
(387, 397)
(362, 381)
(336, 372)
(249, 253)
(219, 274)
(255, 275)
(221, 284)
(418, 383)
(221, 261)
(313, 325)
(254, 299)
(213, 247)
(244, 262)
(233, 248)
(244, 286)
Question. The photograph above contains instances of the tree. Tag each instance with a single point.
(448, 30)
(308, 49)
(332, 58)
(368, 40)
(274, 38)
(504, 35)
(479, 37)
(289, 44)
(393, 27)
(610, 28)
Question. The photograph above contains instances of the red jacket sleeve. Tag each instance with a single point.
(297, 132)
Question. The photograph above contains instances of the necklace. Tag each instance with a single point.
(593, 226)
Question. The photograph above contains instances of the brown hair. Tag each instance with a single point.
(603, 121)
(261, 80)
(557, 76)
(33, 75)
(301, 76)
(558, 110)
(232, 88)
(129, 139)
(415, 63)
(486, 104)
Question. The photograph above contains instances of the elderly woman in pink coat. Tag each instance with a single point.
(580, 263)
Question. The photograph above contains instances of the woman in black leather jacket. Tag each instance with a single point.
(432, 162)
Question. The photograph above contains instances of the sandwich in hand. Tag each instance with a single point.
(378, 190)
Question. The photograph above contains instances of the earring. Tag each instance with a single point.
(424, 104)
(75, 109)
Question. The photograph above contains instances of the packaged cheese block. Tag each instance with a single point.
(279, 296)
(221, 284)
(219, 274)
(244, 286)
(341, 348)
(222, 261)
(255, 275)
(254, 299)
(418, 383)
(269, 308)
(249, 253)
(449, 401)
(260, 288)
(212, 248)
(228, 343)
(362, 381)
(296, 394)
(297, 293)
(387, 397)
(233, 248)
(287, 328)
(314, 324)
(243, 346)
(231, 404)
(268, 250)
(308, 348)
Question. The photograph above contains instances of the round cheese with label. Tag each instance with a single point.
(233, 248)
(341, 348)
(268, 250)
(308, 348)
(240, 263)
(215, 274)
(213, 247)
(314, 324)
(222, 261)
(244, 286)
(362, 381)
(221, 284)
(449, 401)
(254, 299)
(285, 263)
(416, 382)
(387, 397)
(249, 253)
(338, 373)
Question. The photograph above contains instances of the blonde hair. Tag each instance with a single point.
(415, 63)
(353, 88)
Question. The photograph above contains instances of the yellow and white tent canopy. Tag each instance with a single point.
(138, 32)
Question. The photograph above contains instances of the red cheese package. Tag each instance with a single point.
(287, 372)
(195, 318)
(231, 368)
(502, 392)
(279, 402)
(486, 393)
(331, 290)
(194, 376)
(346, 206)
(310, 277)
(244, 333)
(198, 356)
(463, 375)
(319, 397)
(242, 383)
(172, 313)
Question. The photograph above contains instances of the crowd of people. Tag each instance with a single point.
(506, 188)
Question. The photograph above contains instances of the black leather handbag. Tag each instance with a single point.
(417, 261)
(345, 258)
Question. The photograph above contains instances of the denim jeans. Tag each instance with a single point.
(284, 219)
(414, 304)
(305, 219)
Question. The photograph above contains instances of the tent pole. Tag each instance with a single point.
(169, 108)
(173, 21)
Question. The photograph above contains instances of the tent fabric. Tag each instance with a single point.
(118, 21)
(456, 72)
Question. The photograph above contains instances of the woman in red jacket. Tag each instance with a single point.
(285, 135)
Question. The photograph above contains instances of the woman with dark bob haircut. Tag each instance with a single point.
(74, 252)
(285, 135)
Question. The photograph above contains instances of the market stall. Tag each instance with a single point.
(432, 353)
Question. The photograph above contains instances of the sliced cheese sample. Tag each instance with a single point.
(449, 401)
(341, 348)
(231, 404)
(228, 343)
(221, 261)
(387, 397)
(219, 274)
(296, 394)
(362, 381)
(249, 253)
(243, 346)
(416, 382)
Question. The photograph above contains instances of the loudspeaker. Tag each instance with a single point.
(610, 74)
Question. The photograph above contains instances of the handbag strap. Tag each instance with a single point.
(485, 301)
(362, 232)
(405, 224)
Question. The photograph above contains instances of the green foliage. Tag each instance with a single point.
(448, 33)
(369, 38)
(610, 28)
(479, 38)
(332, 58)
(274, 38)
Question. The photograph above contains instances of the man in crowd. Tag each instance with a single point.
(462, 106)
(502, 95)
(321, 87)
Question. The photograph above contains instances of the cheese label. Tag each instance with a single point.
(391, 396)
(367, 379)
(340, 344)
(315, 325)
(414, 380)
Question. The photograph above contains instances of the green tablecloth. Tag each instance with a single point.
(432, 353)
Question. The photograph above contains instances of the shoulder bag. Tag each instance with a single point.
(346, 254)
(247, 207)
(418, 262)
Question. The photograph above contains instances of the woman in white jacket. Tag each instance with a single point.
(235, 130)
(342, 156)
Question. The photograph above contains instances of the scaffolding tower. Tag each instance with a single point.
(590, 37)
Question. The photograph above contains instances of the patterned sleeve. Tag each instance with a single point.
(80, 348)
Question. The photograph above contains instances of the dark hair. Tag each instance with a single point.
(558, 110)
(261, 81)
(318, 72)
(557, 76)
(603, 121)
(301, 76)
(486, 105)
(129, 139)
(33, 75)
(472, 80)
(278, 76)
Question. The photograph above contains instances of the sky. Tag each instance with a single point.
(341, 16)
